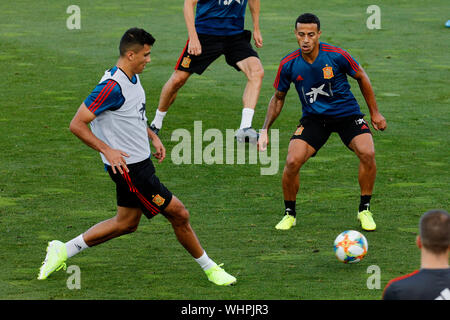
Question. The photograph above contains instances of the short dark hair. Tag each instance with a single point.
(434, 228)
(308, 18)
(133, 37)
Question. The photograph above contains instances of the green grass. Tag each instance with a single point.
(54, 187)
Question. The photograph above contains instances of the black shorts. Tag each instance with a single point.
(141, 188)
(316, 130)
(235, 48)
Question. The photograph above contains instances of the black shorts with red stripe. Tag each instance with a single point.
(141, 188)
(235, 48)
(315, 130)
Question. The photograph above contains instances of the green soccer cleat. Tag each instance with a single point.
(286, 223)
(219, 276)
(54, 260)
(366, 219)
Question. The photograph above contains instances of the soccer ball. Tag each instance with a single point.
(350, 246)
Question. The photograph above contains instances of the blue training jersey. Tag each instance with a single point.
(322, 86)
(220, 17)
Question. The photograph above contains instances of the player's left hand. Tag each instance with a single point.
(378, 121)
(160, 151)
(258, 38)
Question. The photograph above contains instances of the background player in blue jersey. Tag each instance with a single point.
(319, 73)
(115, 110)
(218, 28)
(432, 281)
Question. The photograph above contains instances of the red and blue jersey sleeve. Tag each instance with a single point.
(107, 95)
(283, 79)
(343, 59)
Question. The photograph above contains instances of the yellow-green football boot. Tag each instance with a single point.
(219, 276)
(286, 223)
(366, 219)
(54, 260)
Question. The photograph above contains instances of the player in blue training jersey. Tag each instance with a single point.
(115, 110)
(319, 73)
(432, 281)
(216, 29)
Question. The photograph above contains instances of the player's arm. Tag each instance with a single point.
(254, 6)
(194, 46)
(79, 127)
(273, 111)
(160, 153)
(377, 119)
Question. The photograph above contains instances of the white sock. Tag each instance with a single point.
(159, 117)
(75, 246)
(205, 262)
(247, 117)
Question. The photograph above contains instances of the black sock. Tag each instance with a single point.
(364, 203)
(290, 208)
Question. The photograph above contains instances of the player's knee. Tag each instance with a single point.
(259, 73)
(126, 227)
(178, 80)
(293, 164)
(368, 156)
(181, 217)
(184, 215)
(130, 228)
(256, 74)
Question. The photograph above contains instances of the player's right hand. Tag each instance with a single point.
(263, 140)
(194, 47)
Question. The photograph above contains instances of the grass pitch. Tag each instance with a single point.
(54, 187)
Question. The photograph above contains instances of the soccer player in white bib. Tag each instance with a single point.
(115, 111)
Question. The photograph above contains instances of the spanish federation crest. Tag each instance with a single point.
(299, 131)
(158, 200)
(328, 72)
(186, 62)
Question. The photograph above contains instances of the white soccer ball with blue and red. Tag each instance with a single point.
(350, 246)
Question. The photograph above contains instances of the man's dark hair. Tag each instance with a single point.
(308, 18)
(133, 37)
(435, 231)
